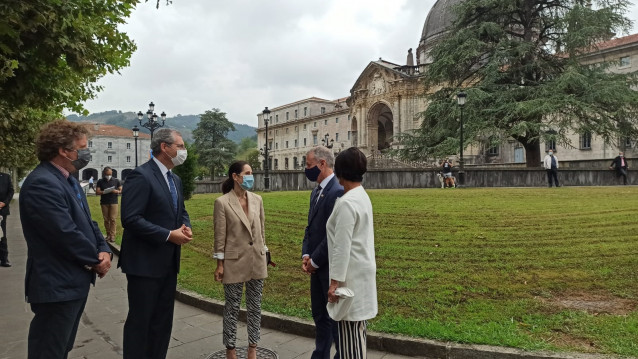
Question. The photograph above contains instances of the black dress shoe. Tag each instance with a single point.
(5, 264)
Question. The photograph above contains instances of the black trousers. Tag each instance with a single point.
(147, 330)
(552, 174)
(53, 328)
(327, 331)
(4, 247)
(622, 172)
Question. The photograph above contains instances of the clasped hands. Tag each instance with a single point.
(105, 264)
(181, 235)
(306, 265)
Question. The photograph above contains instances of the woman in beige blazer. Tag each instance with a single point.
(240, 251)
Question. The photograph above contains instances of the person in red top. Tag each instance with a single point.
(620, 164)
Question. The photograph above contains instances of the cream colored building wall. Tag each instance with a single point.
(293, 138)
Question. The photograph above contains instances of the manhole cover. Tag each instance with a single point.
(242, 353)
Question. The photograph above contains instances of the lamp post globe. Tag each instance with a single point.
(152, 123)
(460, 98)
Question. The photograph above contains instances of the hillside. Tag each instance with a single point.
(184, 124)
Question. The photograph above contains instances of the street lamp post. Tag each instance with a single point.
(326, 143)
(136, 134)
(460, 98)
(266, 113)
(152, 123)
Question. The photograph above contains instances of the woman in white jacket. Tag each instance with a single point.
(351, 258)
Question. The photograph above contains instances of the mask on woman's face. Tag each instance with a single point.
(248, 182)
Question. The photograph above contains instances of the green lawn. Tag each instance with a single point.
(533, 268)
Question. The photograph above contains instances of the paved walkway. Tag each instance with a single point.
(196, 333)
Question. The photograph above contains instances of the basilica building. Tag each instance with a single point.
(387, 99)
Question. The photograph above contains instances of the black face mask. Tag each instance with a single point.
(312, 173)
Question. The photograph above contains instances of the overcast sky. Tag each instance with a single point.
(242, 55)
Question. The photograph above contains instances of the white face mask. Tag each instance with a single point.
(108, 178)
(551, 153)
(180, 157)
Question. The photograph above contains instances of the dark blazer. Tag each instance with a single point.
(617, 164)
(148, 217)
(61, 238)
(315, 241)
(6, 193)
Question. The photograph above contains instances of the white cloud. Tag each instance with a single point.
(242, 55)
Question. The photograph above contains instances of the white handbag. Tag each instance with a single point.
(338, 311)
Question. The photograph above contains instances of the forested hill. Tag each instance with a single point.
(184, 124)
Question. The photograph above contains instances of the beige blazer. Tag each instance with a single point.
(240, 238)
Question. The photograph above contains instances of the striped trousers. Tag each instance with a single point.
(233, 294)
(352, 339)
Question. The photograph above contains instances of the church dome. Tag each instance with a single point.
(439, 19)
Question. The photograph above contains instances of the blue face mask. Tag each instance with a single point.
(312, 173)
(248, 182)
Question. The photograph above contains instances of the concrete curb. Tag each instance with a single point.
(395, 344)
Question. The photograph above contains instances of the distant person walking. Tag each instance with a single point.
(109, 188)
(240, 250)
(620, 165)
(91, 183)
(6, 194)
(551, 167)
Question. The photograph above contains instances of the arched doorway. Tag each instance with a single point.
(380, 127)
(88, 172)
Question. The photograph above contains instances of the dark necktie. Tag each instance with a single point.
(171, 186)
(76, 189)
(315, 196)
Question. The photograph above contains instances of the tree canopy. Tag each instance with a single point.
(520, 63)
(214, 149)
(52, 53)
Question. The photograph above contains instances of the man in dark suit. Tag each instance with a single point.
(65, 247)
(156, 224)
(620, 164)
(6, 194)
(319, 164)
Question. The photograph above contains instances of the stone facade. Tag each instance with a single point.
(387, 99)
(295, 128)
(114, 147)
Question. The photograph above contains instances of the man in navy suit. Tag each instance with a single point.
(65, 247)
(319, 164)
(156, 225)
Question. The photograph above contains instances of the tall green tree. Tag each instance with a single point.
(518, 61)
(52, 53)
(214, 149)
(187, 172)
